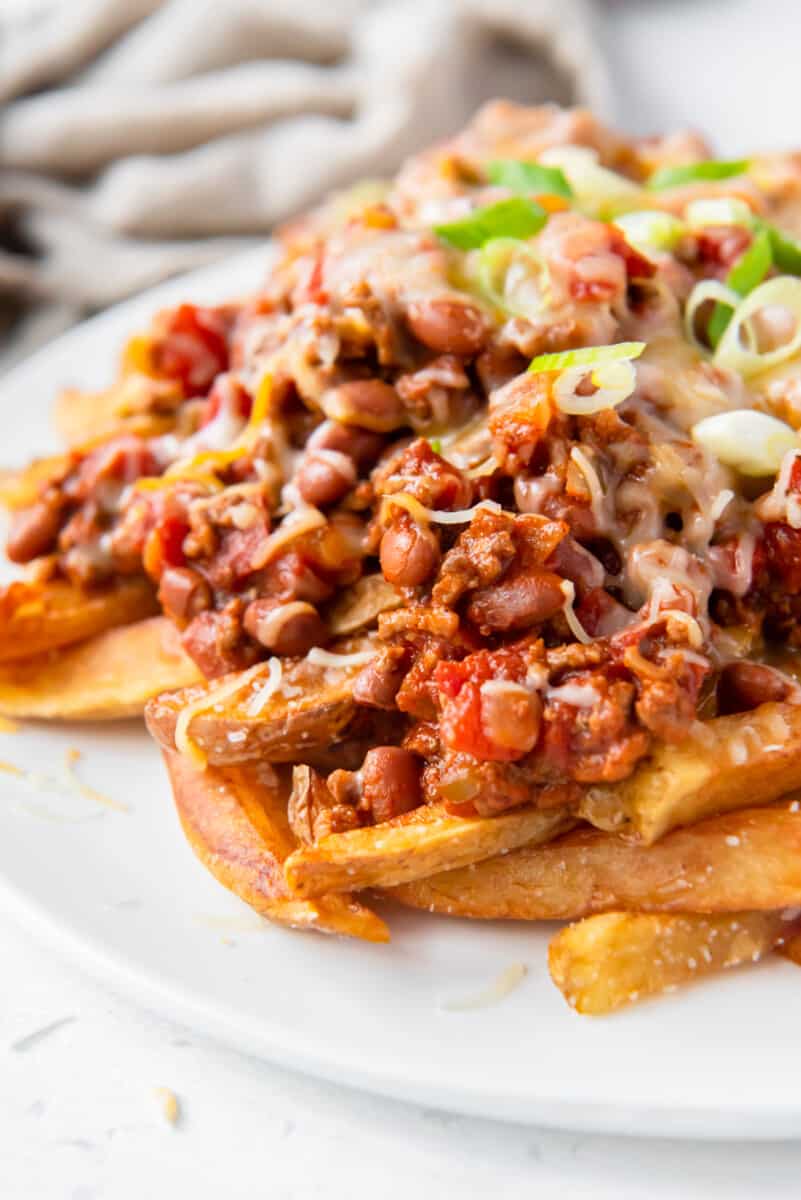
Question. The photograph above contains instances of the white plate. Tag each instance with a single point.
(123, 893)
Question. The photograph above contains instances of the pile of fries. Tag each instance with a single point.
(399, 620)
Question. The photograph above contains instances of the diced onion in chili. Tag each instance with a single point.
(718, 210)
(752, 442)
(599, 191)
(325, 658)
(782, 292)
(509, 275)
(614, 383)
(650, 231)
(588, 356)
(704, 292)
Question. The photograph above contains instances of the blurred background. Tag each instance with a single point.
(141, 138)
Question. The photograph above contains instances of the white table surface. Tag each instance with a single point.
(79, 1115)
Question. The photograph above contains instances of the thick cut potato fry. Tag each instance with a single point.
(605, 962)
(134, 404)
(20, 489)
(310, 710)
(236, 823)
(103, 679)
(35, 617)
(738, 861)
(414, 845)
(738, 761)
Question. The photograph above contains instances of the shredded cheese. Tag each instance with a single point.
(296, 524)
(324, 658)
(262, 695)
(439, 516)
(576, 627)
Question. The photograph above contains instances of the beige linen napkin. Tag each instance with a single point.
(140, 138)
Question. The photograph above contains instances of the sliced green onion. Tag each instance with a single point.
(702, 293)
(598, 191)
(646, 230)
(786, 251)
(782, 292)
(720, 210)
(528, 177)
(508, 275)
(701, 172)
(752, 442)
(514, 218)
(614, 382)
(435, 444)
(587, 356)
(747, 273)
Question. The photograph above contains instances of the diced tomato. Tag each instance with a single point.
(637, 265)
(164, 546)
(191, 345)
(459, 686)
(782, 548)
(243, 401)
(722, 245)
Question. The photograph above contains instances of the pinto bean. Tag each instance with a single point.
(368, 403)
(362, 445)
(34, 530)
(522, 600)
(183, 593)
(379, 683)
(409, 554)
(447, 326)
(390, 782)
(325, 476)
(287, 629)
(745, 685)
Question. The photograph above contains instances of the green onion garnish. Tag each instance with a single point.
(702, 172)
(528, 177)
(515, 218)
(436, 445)
(750, 269)
(587, 356)
(786, 251)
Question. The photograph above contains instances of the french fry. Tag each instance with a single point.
(131, 405)
(309, 711)
(235, 820)
(36, 617)
(414, 845)
(738, 761)
(741, 860)
(20, 489)
(614, 959)
(108, 677)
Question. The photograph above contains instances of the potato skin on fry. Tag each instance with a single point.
(415, 845)
(106, 678)
(310, 711)
(738, 861)
(235, 821)
(741, 760)
(35, 617)
(607, 961)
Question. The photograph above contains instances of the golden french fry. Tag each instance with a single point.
(235, 820)
(126, 407)
(792, 949)
(20, 489)
(35, 617)
(607, 961)
(108, 677)
(417, 844)
(229, 723)
(733, 762)
(741, 860)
